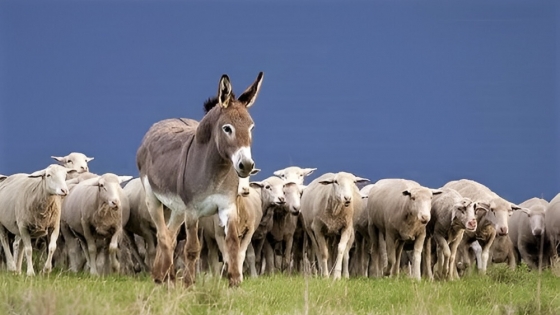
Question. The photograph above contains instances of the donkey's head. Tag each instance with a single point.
(229, 124)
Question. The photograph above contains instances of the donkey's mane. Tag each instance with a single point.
(211, 102)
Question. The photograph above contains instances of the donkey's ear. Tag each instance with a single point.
(248, 97)
(224, 91)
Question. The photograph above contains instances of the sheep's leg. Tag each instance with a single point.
(191, 252)
(26, 238)
(113, 247)
(268, 257)
(52, 244)
(427, 261)
(399, 246)
(134, 250)
(373, 252)
(323, 250)
(92, 248)
(251, 260)
(485, 254)
(150, 241)
(18, 243)
(7, 251)
(417, 256)
(391, 255)
(73, 247)
(258, 247)
(527, 257)
(213, 256)
(346, 257)
(453, 256)
(287, 257)
(444, 254)
(345, 237)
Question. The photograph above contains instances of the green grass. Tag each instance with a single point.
(502, 291)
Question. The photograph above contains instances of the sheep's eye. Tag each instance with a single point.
(335, 181)
(70, 162)
(48, 175)
(267, 187)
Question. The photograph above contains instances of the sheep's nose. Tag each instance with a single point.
(347, 201)
(113, 203)
(471, 225)
(245, 192)
(84, 168)
(281, 200)
(537, 232)
(503, 230)
(63, 191)
(424, 219)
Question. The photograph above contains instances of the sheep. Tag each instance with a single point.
(284, 224)
(528, 233)
(294, 174)
(248, 217)
(95, 209)
(451, 214)
(552, 228)
(492, 213)
(30, 207)
(327, 209)
(359, 260)
(75, 161)
(398, 210)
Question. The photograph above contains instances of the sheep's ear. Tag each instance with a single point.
(255, 171)
(224, 91)
(249, 96)
(60, 159)
(70, 171)
(279, 173)
(436, 191)
(40, 173)
(89, 159)
(73, 181)
(526, 210)
(2, 177)
(360, 180)
(515, 207)
(123, 179)
(308, 171)
(327, 181)
(481, 208)
(256, 185)
(406, 193)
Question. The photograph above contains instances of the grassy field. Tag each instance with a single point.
(500, 292)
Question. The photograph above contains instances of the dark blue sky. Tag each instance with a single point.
(426, 90)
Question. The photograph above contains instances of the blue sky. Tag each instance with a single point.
(425, 90)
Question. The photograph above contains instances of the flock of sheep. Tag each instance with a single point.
(329, 226)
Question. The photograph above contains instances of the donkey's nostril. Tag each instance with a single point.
(241, 166)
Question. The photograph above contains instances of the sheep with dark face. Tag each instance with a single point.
(30, 207)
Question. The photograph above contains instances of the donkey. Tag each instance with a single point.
(193, 168)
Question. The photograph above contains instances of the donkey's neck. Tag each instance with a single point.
(206, 170)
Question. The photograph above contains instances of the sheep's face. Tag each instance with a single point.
(420, 202)
(343, 185)
(54, 177)
(463, 212)
(75, 161)
(536, 220)
(294, 174)
(109, 190)
(271, 191)
(292, 193)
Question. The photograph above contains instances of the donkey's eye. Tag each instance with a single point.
(227, 129)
